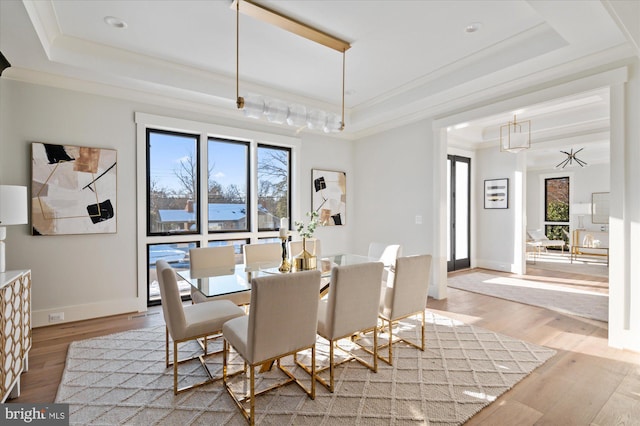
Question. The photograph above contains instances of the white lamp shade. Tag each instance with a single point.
(13, 205)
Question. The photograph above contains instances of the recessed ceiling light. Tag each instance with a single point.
(473, 27)
(115, 22)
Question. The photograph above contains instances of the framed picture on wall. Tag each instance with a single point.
(496, 194)
(73, 190)
(329, 196)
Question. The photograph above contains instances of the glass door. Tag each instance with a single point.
(458, 212)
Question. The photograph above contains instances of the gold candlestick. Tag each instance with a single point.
(285, 266)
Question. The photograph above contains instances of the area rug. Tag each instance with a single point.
(121, 379)
(571, 301)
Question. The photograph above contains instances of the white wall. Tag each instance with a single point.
(88, 276)
(394, 184)
(497, 229)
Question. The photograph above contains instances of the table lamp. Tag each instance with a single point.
(13, 211)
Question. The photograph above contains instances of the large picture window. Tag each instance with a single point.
(205, 190)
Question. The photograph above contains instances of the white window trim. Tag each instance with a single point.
(146, 121)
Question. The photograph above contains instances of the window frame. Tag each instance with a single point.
(204, 131)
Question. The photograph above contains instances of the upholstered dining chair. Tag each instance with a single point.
(282, 321)
(265, 254)
(191, 322)
(387, 254)
(405, 295)
(351, 306)
(313, 246)
(207, 261)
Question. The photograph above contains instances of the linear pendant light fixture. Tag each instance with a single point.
(277, 111)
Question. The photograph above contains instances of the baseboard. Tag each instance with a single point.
(495, 266)
(41, 318)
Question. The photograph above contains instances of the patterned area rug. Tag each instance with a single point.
(121, 379)
(571, 301)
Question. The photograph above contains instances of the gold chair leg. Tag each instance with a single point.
(390, 343)
(175, 368)
(166, 347)
(331, 366)
(252, 390)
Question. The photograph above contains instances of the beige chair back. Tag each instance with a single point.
(283, 315)
(352, 302)
(385, 253)
(171, 301)
(410, 286)
(312, 244)
(208, 261)
(266, 254)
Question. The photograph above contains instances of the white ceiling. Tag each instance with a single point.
(409, 59)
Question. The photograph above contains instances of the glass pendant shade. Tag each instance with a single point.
(332, 124)
(276, 111)
(316, 119)
(254, 106)
(297, 115)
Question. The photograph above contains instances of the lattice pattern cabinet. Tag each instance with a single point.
(15, 330)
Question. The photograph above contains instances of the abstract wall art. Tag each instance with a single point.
(73, 190)
(496, 194)
(329, 196)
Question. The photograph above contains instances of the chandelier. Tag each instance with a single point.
(571, 157)
(275, 110)
(515, 136)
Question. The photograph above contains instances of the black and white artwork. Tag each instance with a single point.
(496, 194)
(329, 196)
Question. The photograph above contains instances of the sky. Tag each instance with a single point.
(168, 150)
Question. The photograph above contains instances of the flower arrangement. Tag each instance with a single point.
(311, 226)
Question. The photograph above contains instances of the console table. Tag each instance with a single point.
(15, 330)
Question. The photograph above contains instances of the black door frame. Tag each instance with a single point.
(453, 264)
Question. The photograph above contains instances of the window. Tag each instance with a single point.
(172, 184)
(227, 183)
(239, 187)
(556, 207)
(274, 171)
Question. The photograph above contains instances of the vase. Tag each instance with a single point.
(304, 261)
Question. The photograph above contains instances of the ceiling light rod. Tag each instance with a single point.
(303, 30)
(274, 110)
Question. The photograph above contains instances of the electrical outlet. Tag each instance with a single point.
(418, 220)
(57, 316)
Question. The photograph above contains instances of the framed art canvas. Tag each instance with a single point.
(329, 196)
(496, 194)
(73, 190)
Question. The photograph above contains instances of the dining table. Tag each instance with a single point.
(222, 281)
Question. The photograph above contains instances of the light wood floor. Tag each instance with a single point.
(586, 383)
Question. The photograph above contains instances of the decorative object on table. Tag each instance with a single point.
(13, 211)
(304, 260)
(515, 136)
(285, 266)
(571, 157)
(73, 190)
(600, 207)
(496, 194)
(329, 196)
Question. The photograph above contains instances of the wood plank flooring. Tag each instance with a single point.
(586, 383)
